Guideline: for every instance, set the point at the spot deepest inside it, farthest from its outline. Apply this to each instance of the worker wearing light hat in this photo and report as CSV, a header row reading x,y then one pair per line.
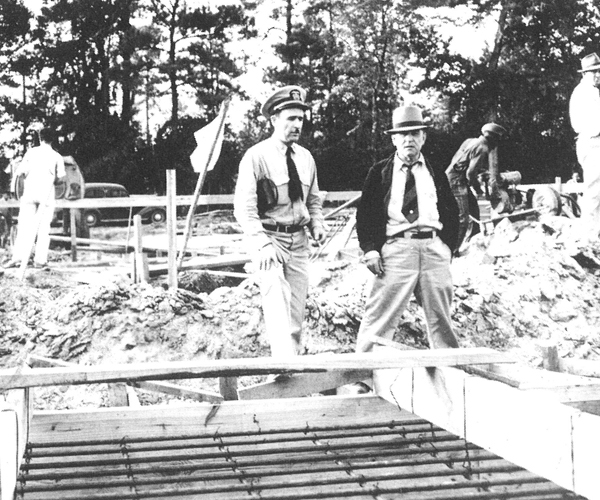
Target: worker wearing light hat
x,y
584,111
277,215
407,226
476,156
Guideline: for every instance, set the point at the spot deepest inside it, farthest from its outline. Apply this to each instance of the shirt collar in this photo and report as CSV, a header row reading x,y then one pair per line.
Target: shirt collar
x,y
280,146
403,165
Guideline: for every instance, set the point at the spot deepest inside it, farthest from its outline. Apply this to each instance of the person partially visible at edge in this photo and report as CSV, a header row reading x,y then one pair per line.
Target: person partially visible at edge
x,y
41,166
278,237
476,157
584,111
407,243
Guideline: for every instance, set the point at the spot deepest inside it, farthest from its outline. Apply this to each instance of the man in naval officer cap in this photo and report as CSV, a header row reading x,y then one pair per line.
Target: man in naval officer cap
x,y
277,204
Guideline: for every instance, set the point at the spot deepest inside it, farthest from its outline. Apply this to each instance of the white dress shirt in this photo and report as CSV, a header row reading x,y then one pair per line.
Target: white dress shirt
x,y
429,217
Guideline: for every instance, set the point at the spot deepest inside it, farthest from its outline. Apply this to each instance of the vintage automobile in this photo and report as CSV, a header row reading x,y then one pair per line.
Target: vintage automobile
x,y
95,216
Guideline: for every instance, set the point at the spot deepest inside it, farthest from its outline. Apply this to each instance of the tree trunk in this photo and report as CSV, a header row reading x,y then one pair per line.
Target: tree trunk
x,y
507,5
172,62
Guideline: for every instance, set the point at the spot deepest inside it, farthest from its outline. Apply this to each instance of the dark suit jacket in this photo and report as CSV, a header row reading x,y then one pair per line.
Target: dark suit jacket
x,y
371,216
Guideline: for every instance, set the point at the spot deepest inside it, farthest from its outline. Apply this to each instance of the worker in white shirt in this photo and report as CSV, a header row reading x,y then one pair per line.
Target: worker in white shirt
x,y
41,166
584,111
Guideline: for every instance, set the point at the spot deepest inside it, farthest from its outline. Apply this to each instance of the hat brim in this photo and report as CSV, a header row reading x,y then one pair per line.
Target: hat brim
x,y
397,130
591,68
268,112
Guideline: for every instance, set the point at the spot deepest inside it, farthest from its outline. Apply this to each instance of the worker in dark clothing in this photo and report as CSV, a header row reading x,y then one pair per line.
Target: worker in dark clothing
x,y
475,158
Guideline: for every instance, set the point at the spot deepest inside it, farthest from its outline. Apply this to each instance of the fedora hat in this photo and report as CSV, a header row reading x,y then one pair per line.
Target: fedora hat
x,y
290,96
590,63
494,128
406,118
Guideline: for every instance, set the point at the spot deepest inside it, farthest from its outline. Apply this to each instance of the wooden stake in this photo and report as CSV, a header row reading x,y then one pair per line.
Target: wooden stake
x,y
172,227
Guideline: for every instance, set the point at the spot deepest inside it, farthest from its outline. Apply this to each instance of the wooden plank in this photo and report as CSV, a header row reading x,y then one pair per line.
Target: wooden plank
x,y
530,431
12,379
586,450
9,452
228,388
15,415
234,259
303,384
190,420
163,387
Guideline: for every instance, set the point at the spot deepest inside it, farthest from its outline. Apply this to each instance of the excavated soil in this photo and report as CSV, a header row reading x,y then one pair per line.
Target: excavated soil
x,y
517,288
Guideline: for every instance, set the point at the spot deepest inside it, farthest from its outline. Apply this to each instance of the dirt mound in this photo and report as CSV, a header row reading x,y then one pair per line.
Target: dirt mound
x,y
514,288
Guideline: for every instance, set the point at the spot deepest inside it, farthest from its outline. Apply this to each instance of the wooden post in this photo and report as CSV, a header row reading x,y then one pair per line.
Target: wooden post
x,y
141,271
72,214
551,360
558,182
172,227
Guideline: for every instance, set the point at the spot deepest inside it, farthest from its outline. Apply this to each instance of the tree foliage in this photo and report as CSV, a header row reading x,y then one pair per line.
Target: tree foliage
x,y
107,74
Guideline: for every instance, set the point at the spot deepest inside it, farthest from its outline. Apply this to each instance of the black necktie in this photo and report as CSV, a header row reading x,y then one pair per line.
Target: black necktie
x,y
294,186
410,206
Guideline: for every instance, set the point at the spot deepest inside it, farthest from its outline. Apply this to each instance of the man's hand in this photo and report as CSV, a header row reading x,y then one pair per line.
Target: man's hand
x,y
319,234
269,256
375,264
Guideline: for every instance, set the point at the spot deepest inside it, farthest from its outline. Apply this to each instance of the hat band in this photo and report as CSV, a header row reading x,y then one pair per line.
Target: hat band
x,y
287,100
409,124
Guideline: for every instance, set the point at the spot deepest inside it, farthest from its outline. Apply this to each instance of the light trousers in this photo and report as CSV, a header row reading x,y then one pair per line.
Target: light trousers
x,y
410,266
284,289
34,227
588,155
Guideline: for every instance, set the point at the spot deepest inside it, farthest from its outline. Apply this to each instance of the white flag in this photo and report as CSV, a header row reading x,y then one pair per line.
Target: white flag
x,y
209,140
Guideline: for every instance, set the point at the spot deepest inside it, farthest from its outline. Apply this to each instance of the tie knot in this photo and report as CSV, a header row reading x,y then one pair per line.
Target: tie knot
x,y
289,151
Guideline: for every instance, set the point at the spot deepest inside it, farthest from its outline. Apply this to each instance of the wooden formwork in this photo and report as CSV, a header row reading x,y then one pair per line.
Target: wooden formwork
x,y
406,439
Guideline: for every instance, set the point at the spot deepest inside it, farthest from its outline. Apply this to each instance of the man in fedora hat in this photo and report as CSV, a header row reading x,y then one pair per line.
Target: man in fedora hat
x,y
277,228
476,156
407,226
584,111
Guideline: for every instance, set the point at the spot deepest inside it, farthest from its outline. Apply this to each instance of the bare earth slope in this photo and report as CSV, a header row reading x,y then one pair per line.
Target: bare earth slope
x,y
514,289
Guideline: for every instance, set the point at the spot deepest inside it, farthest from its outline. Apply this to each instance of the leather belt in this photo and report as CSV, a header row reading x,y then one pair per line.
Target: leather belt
x,y
415,235
283,228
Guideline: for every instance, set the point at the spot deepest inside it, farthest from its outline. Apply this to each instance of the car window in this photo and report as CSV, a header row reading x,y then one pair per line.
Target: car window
x,y
117,193
94,193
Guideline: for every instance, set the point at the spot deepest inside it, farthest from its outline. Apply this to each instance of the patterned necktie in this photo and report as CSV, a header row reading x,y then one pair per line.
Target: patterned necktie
x,y
294,186
410,206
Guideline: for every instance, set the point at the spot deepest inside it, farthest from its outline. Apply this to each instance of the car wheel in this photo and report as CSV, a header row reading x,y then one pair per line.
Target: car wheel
x,y
157,216
92,219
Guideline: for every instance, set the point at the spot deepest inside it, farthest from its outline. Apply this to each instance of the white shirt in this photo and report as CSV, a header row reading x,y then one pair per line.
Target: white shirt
x,y
584,109
41,165
429,217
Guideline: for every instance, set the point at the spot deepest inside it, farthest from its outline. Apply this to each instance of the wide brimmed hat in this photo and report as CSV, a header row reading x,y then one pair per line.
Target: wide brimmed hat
x,y
494,128
590,63
290,96
406,118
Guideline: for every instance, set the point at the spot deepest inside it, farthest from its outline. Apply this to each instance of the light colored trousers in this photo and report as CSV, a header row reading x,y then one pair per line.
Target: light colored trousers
x,y
410,266
588,155
34,227
284,289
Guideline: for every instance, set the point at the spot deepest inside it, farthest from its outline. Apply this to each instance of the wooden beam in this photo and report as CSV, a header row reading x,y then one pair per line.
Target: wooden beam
x,y
235,259
190,420
528,430
15,419
12,379
9,454
303,384
36,361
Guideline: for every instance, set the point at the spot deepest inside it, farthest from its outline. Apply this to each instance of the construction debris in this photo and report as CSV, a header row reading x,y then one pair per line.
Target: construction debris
x,y
515,288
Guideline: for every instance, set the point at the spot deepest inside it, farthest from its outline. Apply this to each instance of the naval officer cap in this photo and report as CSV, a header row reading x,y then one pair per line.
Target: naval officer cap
x,y
290,96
